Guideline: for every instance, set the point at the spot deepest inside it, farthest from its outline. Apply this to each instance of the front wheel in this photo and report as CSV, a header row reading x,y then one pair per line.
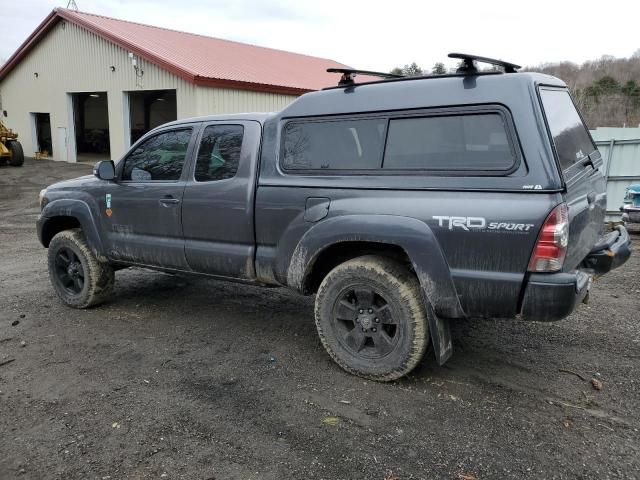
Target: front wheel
x,y
371,319
79,279
17,155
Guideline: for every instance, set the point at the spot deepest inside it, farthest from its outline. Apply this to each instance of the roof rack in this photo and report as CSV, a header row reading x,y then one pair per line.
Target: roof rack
x,y
348,75
468,63
467,67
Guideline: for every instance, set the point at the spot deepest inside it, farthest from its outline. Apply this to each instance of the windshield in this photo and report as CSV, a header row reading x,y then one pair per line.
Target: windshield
x,y
570,136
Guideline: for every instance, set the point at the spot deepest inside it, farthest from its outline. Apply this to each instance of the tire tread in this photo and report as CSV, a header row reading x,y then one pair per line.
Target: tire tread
x,y
17,154
409,288
100,275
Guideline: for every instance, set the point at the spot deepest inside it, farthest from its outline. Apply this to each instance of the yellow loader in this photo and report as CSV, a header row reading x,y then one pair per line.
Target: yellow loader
x,y
10,147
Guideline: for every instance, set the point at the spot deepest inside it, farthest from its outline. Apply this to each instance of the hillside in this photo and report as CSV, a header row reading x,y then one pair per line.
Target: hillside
x,y
606,90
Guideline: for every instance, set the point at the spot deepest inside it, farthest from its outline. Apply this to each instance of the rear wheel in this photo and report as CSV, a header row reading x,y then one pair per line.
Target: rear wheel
x,y
17,155
79,279
371,319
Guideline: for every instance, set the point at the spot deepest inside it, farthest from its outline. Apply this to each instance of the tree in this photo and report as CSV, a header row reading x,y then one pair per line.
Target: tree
x,y
631,93
631,90
608,85
438,69
412,70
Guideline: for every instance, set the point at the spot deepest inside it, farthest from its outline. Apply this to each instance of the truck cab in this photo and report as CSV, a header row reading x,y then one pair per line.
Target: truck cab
x,y
181,199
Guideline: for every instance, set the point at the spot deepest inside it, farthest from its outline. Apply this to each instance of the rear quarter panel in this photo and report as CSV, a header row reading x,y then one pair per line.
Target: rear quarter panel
x,y
487,253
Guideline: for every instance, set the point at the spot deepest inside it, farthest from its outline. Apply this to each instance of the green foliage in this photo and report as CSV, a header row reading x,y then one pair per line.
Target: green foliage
x,y
607,85
631,90
439,69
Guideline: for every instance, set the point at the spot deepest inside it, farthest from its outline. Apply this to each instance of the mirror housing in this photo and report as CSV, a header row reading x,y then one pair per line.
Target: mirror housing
x,y
105,170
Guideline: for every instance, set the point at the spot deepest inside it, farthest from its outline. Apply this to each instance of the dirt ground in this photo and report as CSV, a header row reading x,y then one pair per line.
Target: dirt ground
x,y
198,379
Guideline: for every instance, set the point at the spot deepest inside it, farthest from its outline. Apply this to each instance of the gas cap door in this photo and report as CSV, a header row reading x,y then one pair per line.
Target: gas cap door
x,y
316,208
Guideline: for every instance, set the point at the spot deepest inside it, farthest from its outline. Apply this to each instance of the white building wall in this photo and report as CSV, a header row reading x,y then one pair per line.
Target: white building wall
x,y
71,59
226,100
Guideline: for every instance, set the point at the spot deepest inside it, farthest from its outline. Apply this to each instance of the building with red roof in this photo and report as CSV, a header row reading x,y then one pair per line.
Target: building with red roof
x,y
85,86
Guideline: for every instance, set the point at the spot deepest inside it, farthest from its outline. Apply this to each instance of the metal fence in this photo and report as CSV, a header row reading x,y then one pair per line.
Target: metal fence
x,y
620,149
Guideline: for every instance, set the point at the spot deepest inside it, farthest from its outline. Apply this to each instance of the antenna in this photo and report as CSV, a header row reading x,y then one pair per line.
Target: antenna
x,y
469,67
71,5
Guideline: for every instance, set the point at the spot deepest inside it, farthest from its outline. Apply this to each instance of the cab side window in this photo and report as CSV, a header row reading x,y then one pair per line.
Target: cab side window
x,y
160,158
219,152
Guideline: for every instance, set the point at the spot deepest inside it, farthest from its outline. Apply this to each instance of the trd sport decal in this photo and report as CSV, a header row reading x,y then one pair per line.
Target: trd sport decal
x,y
107,200
480,223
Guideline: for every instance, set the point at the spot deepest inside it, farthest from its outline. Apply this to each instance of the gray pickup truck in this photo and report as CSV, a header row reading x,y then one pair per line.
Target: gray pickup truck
x,y
403,204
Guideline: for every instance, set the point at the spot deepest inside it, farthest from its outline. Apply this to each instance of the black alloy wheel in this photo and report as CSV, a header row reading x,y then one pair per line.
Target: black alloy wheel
x,y
69,271
364,323
371,318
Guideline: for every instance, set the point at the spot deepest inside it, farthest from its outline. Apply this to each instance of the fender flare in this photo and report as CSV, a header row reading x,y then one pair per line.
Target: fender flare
x,y
79,210
412,235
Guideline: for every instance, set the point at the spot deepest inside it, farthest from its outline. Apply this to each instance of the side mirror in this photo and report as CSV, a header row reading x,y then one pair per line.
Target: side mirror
x,y
105,170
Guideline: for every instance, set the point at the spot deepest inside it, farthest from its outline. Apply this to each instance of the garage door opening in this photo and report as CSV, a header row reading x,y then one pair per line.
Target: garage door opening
x,y
42,122
91,121
149,109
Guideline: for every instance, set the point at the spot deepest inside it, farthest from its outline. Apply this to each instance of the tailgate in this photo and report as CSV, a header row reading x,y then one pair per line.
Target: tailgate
x,y
580,163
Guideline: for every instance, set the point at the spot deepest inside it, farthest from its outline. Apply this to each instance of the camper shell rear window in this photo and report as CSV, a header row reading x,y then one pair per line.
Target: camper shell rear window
x,y
571,138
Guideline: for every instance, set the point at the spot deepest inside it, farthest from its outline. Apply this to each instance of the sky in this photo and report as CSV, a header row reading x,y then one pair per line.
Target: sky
x,y
373,34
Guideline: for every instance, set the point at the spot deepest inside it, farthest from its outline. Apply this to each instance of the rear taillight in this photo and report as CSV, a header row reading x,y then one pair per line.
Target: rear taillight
x,y
551,247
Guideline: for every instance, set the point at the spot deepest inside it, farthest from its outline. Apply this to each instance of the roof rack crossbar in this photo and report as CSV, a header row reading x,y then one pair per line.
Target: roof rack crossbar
x,y
363,72
348,73
468,65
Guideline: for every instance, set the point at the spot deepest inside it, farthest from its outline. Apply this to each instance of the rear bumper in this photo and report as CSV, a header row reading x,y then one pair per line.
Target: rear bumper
x,y
553,296
631,215
610,252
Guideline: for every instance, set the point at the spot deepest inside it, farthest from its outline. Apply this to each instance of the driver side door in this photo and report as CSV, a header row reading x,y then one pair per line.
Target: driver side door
x,y
145,205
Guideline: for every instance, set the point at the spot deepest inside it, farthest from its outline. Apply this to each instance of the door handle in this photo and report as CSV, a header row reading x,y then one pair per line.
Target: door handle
x,y
591,197
168,200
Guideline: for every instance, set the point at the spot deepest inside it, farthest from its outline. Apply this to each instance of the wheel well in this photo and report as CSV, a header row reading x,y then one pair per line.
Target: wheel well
x,y
338,253
56,225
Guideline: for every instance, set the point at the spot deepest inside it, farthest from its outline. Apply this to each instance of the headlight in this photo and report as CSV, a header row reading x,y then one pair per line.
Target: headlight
x,y
42,200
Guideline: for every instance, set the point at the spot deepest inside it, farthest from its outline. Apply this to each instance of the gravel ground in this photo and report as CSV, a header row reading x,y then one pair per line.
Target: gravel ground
x,y
198,379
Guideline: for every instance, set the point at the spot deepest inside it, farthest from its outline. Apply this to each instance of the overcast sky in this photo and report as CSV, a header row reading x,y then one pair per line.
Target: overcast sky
x,y
374,34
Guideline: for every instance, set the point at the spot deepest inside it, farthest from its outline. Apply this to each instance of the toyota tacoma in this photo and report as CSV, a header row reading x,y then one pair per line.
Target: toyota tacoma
x,y
403,204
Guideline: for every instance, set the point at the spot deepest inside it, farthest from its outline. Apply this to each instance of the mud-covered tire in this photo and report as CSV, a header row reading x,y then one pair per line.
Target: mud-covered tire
x,y
394,327
17,155
97,277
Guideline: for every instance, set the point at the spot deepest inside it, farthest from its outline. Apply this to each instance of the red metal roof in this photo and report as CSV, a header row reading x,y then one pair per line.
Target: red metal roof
x,y
196,58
